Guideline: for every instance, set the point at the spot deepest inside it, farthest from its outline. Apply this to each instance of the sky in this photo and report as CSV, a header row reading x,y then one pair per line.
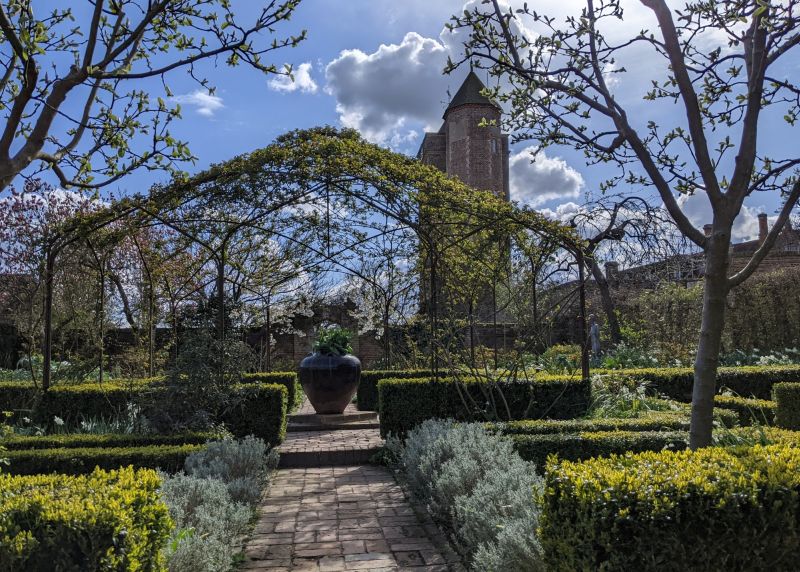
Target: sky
x,y
376,65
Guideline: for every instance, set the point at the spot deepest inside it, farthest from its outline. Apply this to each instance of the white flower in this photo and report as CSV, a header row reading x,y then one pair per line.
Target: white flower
x,y
26,419
57,420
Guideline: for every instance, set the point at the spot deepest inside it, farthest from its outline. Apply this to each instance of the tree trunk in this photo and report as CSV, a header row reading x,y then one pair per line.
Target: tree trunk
x,y
151,327
387,342
221,315
102,312
584,331
221,296
608,302
472,332
434,318
269,338
494,323
715,292
47,342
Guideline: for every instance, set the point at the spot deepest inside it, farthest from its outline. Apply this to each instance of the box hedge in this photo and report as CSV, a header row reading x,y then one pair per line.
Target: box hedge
x,y
84,440
258,409
287,378
748,411
787,399
580,446
748,381
104,521
367,396
82,460
405,403
648,421
710,509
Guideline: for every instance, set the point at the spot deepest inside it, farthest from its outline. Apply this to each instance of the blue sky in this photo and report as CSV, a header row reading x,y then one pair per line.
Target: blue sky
x,y
376,65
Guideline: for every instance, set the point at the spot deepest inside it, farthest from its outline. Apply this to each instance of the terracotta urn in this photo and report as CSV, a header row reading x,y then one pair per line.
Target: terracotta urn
x,y
330,381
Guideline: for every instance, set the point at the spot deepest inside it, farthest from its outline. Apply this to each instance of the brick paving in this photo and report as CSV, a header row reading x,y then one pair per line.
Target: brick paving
x,y
343,518
331,440
312,442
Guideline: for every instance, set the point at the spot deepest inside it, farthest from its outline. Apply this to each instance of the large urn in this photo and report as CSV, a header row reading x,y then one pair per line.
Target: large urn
x,y
330,380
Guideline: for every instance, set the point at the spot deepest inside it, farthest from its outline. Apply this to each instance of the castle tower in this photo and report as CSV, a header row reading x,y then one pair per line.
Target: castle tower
x,y
469,145
475,153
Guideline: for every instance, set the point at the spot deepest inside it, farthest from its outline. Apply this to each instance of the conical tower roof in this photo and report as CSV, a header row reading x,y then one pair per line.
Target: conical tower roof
x,y
470,93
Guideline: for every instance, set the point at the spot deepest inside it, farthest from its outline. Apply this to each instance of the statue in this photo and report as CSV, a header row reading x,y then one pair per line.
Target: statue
x,y
594,336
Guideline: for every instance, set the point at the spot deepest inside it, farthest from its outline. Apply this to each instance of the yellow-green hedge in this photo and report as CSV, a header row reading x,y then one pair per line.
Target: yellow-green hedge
x,y
104,521
711,509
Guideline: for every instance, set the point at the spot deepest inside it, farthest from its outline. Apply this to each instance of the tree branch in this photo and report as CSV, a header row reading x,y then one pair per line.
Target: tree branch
x,y
694,116
769,241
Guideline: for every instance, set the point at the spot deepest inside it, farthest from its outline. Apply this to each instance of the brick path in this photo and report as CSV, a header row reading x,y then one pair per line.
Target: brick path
x,y
343,518
324,517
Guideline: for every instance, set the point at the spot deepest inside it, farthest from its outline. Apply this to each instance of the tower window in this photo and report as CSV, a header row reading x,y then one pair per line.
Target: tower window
x,y
493,145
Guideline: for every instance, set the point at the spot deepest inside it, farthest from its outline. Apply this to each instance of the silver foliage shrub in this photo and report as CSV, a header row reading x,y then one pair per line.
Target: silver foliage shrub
x,y
207,523
500,517
516,548
480,488
242,465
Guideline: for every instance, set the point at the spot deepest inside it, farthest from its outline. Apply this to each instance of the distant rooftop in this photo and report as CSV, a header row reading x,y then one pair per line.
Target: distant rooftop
x,y
470,93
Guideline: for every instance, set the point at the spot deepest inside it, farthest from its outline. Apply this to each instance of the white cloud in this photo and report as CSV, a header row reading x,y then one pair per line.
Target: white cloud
x,y
302,80
745,227
383,92
205,103
563,212
544,179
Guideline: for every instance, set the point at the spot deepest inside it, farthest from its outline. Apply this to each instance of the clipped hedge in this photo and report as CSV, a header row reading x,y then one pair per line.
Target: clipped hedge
x,y
24,395
84,440
405,403
710,509
677,382
82,460
102,521
74,402
581,446
287,378
748,411
787,398
649,421
367,396
260,410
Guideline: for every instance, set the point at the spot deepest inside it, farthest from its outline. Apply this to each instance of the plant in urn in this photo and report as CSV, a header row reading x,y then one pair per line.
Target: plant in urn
x,y
330,375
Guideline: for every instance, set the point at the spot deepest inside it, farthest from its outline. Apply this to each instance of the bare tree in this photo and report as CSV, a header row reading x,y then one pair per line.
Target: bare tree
x,y
622,229
558,84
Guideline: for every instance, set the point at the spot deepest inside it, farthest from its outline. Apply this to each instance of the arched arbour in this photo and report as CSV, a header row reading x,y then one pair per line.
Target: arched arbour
x,y
296,180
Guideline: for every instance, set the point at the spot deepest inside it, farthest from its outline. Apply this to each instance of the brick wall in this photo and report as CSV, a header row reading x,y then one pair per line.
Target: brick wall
x,y
478,155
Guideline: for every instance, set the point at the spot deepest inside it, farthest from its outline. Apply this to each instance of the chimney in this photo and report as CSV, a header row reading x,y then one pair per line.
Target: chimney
x,y
763,227
707,228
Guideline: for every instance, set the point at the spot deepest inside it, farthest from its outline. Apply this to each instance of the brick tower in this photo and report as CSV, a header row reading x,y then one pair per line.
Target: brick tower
x,y
469,145
476,154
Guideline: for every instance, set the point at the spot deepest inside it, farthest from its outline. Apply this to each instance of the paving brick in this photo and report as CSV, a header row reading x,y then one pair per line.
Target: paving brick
x,y
334,519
